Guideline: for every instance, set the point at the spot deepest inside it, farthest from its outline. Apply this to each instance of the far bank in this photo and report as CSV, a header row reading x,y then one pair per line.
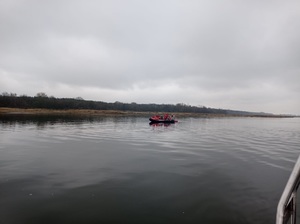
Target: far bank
x,y
87,112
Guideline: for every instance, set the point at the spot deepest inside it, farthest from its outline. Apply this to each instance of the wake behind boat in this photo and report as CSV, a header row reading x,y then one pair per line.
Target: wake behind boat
x,y
163,119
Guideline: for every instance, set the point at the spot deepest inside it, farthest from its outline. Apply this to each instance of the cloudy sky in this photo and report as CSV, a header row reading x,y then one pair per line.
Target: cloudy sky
x,y
229,54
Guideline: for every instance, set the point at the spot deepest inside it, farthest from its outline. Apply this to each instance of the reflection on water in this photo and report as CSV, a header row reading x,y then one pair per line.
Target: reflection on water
x,y
155,124
45,120
123,170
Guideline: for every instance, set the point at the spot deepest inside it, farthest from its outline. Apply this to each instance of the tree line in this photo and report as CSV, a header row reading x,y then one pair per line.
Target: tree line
x,y
41,100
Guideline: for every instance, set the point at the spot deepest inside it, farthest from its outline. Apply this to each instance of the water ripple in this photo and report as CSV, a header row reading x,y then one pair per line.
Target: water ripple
x,y
234,166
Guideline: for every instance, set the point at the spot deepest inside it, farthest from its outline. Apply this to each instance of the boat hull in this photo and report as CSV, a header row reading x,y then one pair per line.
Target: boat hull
x,y
162,121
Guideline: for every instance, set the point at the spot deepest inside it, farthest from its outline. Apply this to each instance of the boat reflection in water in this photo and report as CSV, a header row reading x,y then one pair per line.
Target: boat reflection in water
x,y
156,124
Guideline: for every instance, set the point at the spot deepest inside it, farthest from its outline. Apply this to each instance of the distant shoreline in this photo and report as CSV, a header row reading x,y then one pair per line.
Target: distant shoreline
x,y
87,112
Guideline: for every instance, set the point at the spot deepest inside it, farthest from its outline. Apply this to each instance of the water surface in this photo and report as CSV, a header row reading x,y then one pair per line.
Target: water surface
x,y
122,170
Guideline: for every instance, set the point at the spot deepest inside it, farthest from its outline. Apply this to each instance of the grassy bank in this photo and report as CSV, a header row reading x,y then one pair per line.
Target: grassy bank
x,y
84,112
37,111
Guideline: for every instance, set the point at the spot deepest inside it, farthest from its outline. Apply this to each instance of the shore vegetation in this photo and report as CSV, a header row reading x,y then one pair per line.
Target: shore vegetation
x,y
42,104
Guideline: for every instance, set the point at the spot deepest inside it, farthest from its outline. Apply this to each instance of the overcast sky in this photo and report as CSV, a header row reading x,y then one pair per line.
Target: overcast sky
x,y
228,54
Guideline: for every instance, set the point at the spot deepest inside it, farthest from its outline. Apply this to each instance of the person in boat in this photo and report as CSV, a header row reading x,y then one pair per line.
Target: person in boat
x,y
166,117
170,117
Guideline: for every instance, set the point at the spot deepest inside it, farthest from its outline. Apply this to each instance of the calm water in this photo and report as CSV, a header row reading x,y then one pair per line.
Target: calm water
x,y
122,170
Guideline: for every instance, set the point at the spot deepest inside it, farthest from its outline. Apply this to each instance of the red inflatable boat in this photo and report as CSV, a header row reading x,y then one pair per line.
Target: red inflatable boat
x,y
163,119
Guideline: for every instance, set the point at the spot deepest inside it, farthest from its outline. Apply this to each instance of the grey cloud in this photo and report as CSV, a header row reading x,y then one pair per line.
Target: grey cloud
x,y
211,46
